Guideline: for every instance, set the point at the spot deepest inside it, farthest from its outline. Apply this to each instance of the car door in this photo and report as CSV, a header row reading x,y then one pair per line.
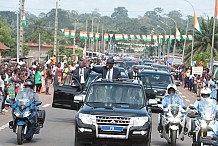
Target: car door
x,y
63,96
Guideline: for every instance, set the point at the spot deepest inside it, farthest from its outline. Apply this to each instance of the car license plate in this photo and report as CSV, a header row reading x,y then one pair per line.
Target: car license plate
x,y
112,128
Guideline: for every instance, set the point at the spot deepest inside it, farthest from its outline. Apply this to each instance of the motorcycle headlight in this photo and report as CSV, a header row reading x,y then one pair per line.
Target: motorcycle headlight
x,y
17,114
174,112
86,118
203,124
27,114
139,121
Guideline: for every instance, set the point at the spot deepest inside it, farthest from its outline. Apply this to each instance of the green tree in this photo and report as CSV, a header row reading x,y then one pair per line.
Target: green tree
x,y
120,13
202,41
7,39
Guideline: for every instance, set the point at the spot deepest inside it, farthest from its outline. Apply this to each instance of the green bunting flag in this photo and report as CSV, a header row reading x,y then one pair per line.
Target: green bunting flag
x,y
83,35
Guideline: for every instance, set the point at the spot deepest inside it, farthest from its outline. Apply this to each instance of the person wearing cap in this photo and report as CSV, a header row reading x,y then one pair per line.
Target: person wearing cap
x,y
108,72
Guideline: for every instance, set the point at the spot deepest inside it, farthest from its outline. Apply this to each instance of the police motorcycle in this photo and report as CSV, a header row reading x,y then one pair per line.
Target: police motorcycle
x,y
203,120
27,118
212,134
172,122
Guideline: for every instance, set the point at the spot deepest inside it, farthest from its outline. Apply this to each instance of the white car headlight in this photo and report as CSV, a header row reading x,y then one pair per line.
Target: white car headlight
x,y
27,114
139,121
86,118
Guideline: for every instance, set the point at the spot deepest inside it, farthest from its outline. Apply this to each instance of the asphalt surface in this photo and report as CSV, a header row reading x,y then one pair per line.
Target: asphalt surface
x,y
59,126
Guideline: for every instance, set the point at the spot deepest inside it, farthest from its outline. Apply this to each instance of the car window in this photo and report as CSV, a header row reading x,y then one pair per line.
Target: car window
x,y
156,79
116,95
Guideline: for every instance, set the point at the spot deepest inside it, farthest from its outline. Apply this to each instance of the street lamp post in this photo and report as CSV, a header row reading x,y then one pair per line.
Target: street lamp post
x,y
168,50
164,33
17,35
186,31
174,47
192,34
157,52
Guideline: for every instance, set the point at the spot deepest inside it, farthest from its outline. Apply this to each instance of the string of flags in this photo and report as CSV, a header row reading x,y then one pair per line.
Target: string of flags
x,y
119,37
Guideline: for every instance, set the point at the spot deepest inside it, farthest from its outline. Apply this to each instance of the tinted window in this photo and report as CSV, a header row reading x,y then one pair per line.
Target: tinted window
x,y
156,79
115,95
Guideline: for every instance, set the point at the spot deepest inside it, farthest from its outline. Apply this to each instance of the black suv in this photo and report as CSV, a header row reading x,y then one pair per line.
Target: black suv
x,y
157,81
114,112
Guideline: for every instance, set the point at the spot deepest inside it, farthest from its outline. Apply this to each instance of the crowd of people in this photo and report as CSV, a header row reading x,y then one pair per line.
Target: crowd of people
x,y
194,82
13,76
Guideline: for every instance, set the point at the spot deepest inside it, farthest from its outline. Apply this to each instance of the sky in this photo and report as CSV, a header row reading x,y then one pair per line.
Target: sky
x,y
136,8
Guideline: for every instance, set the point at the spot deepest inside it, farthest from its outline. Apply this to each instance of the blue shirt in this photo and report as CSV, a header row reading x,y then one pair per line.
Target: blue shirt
x,y
172,99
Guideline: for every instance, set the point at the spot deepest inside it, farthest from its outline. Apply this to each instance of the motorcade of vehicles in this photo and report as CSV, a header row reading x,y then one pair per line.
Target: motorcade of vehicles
x,y
201,120
147,62
157,81
27,118
113,113
173,123
161,67
129,64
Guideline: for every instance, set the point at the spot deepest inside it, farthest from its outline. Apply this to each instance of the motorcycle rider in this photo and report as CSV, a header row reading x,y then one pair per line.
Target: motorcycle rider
x,y
171,98
205,95
205,100
29,85
29,88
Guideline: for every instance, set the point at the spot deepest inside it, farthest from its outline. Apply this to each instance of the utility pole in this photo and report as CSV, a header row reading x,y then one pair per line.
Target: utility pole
x,y
74,40
18,35
92,43
102,39
84,51
22,15
39,47
96,46
56,28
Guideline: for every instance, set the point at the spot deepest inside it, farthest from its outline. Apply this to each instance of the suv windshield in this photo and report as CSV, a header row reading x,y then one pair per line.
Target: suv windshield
x,y
156,79
115,96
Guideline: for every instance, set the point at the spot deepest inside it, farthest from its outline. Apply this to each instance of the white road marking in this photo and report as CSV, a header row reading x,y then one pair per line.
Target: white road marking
x,y
46,105
180,92
4,126
187,100
184,96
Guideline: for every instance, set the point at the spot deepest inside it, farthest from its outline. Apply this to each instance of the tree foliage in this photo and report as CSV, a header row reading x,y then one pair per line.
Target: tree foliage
x,y
118,22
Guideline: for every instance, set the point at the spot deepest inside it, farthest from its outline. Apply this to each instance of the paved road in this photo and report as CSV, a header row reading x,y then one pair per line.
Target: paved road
x,y
59,126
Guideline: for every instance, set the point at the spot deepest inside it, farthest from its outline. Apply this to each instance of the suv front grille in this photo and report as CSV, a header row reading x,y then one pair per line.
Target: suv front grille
x,y
122,121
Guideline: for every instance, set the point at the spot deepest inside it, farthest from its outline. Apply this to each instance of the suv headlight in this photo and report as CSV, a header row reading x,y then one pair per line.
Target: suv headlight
x,y
139,121
86,118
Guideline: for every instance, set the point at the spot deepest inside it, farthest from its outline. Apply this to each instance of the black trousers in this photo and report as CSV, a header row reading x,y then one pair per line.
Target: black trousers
x,y
38,87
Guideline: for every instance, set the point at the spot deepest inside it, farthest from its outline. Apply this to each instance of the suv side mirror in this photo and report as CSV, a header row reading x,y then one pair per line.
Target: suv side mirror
x,y
152,102
79,98
177,83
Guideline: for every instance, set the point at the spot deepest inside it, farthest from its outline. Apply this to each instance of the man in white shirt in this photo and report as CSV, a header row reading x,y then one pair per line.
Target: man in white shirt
x,y
81,73
134,74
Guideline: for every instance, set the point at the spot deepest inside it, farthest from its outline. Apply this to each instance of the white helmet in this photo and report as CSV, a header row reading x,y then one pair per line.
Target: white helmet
x,y
205,93
171,86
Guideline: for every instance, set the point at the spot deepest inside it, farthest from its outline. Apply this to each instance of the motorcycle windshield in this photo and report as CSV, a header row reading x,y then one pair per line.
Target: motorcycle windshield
x,y
24,97
208,109
173,99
